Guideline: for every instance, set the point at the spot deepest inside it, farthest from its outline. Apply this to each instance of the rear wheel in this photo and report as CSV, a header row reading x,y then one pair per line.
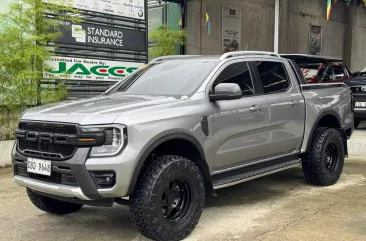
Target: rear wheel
x,y
51,205
324,163
168,200
357,123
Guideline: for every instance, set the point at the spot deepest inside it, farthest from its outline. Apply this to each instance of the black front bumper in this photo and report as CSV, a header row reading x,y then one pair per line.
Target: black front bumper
x,y
71,172
359,113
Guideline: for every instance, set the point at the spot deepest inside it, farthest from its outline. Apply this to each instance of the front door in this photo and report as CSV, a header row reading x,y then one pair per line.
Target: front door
x,y
237,125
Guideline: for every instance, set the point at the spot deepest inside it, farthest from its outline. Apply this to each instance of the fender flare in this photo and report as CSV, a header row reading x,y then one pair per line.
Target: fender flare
x,y
167,137
323,114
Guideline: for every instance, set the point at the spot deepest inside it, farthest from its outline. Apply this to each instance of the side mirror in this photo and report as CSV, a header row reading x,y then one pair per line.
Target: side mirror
x,y
226,91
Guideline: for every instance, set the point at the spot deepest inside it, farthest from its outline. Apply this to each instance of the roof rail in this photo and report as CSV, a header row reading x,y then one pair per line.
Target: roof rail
x,y
172,57
241,53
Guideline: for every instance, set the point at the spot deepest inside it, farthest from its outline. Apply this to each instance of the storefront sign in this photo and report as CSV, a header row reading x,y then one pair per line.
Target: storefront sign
x,y
88,69
102,36
124,8
315,40
231,29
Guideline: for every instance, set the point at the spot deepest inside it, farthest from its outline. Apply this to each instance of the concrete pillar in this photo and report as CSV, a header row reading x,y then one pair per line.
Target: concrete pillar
x,y
348,36
284,26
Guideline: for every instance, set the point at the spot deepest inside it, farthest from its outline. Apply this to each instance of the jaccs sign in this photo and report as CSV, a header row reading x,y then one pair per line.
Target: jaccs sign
x,y
88,69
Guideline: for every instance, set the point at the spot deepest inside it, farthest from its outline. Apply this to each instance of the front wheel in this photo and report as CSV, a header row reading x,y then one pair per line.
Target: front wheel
x,y
168,200
324,164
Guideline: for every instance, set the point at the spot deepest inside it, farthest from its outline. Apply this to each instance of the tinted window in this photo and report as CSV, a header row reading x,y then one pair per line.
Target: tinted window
x,y
328,75
175,78
273,76
338,72
237,73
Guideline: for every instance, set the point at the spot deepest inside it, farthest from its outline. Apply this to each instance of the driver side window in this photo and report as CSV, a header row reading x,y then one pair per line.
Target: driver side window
x,y
237,73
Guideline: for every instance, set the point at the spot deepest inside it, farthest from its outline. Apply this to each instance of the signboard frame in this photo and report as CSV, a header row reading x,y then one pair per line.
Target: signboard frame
x,y
315,40
125,8
231,28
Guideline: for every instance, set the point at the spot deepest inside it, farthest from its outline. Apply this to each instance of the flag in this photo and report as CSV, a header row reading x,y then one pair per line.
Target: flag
x,y
181,17
208,24
329,9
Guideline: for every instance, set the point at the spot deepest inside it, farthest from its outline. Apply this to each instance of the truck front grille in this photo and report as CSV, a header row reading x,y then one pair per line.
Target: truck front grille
x,y
45,148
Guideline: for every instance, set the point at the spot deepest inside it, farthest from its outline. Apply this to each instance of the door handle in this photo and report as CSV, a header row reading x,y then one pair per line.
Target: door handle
x,y
255,108
294,103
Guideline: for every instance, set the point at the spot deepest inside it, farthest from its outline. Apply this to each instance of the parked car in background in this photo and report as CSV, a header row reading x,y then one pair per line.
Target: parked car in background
x,y
319,69
357,84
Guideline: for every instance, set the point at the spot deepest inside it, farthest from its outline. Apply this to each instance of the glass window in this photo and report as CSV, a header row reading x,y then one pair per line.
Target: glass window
x,y
237,73
328,75
174,78
156,18
273,76
338,72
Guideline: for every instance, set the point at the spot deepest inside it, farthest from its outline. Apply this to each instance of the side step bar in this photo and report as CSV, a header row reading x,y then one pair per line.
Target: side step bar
x,y
254,171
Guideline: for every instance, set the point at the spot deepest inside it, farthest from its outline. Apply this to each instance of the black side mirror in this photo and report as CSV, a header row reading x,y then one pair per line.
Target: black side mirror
x,y
226,91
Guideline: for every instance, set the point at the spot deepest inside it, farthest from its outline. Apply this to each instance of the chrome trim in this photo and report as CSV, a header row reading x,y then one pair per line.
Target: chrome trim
x,y
51,188
250,164
257,176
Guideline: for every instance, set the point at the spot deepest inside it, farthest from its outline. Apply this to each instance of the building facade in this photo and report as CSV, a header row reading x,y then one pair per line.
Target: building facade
x,y
344,35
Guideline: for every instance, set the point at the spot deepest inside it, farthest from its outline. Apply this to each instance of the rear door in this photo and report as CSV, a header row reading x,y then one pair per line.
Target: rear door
x,y
284,107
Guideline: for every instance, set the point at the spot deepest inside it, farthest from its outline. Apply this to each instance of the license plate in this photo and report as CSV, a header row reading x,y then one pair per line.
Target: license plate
x,y
38,166
360,104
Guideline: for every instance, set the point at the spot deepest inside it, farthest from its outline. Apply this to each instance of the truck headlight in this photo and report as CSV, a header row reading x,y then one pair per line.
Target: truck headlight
x,y
115,139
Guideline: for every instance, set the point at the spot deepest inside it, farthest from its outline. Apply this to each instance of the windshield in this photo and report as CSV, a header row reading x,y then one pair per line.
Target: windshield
x,y
171,78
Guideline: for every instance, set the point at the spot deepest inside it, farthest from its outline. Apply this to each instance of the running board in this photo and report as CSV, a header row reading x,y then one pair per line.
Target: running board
x,y
252,172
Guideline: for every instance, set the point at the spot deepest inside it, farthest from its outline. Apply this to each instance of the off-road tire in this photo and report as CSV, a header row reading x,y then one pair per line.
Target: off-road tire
x,y
145,202
315,166
357,123
51,205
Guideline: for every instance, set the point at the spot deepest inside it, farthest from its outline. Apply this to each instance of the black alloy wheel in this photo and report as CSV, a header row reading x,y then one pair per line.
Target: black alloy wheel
x,y
175,200
331,158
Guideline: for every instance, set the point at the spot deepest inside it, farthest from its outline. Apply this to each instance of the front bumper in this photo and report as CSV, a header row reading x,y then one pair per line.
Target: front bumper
x,y
72,178
359,113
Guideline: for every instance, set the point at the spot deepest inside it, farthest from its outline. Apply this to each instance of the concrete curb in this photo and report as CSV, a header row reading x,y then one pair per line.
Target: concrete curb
x,y
5,153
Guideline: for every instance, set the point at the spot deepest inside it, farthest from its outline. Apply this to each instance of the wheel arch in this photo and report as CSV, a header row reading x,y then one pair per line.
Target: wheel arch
x,y
329,119
157,147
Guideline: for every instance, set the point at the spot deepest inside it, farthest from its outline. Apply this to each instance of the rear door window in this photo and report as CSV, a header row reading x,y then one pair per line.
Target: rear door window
x,y
273,76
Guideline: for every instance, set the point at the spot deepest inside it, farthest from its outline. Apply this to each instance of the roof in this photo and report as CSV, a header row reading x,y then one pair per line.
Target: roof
x,y
311,59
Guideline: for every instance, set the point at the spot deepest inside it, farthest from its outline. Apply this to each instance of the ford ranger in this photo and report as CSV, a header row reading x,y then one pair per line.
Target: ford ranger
x,y
176,130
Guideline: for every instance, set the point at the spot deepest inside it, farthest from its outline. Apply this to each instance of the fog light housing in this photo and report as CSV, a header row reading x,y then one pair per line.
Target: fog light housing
x,y
104,179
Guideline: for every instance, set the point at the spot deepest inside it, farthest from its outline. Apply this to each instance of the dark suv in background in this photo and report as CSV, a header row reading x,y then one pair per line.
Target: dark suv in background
x,y
357,84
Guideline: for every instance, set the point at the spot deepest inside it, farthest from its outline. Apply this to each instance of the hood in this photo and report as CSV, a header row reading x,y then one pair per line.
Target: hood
x,y
356,81
97,110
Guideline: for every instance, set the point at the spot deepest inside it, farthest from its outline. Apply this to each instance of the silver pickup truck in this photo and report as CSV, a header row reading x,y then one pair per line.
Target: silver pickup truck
x,y
178,129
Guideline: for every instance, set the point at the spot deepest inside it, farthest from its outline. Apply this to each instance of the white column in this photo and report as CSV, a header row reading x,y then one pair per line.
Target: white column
x,y
277,26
